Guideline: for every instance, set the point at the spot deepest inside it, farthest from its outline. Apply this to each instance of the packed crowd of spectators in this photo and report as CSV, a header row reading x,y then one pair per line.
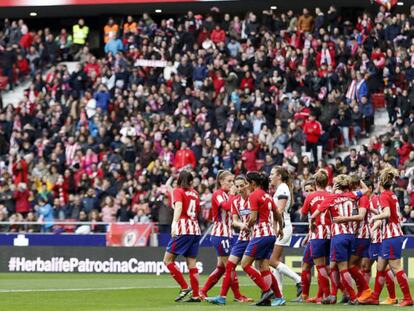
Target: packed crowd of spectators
x,y
103,143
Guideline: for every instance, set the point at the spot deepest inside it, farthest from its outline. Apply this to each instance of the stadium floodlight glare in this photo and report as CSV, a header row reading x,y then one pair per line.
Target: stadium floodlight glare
x,y
273,7
158,11
33,14
400,3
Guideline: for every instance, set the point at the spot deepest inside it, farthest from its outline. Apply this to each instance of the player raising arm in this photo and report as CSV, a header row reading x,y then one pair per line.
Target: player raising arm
x,y
392,239
185,236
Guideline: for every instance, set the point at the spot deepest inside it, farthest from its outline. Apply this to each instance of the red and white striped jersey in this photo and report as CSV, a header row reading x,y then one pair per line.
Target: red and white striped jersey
x,y
241,208
221,209
392,227
322,229
188,222
263,204
362,227
340,204
376,235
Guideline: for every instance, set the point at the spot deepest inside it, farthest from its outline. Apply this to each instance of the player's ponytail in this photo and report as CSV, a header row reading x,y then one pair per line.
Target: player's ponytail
x,y
387,177
321,178
185,179
265,182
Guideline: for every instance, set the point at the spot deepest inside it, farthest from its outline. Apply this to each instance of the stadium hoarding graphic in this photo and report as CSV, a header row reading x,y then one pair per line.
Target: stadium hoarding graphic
x,y
126,260
15,3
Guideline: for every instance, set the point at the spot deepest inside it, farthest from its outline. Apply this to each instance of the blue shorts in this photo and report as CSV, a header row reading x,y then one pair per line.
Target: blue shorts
x,y
307,256
319,248
184,245
222,245
341,247
239,248
391,248
374,251
260,248
361,248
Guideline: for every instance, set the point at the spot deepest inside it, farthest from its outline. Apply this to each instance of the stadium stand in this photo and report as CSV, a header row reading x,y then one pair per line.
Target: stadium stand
x,y
211,92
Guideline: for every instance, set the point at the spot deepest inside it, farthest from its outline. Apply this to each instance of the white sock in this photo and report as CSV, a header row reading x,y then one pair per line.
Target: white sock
x,y
279,279
283,269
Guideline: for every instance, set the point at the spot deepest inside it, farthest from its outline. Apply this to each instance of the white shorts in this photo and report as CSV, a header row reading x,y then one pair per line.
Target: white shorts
x,y
287,236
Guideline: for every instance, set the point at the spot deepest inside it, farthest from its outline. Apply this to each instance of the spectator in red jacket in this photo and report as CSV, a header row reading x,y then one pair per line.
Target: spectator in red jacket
x,y
19,170
184,156
312,130
404,151
92,66
22,65
218,35
249,157
22,195
326,56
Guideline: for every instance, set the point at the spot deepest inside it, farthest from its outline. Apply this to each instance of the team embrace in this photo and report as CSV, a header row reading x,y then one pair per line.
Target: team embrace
x,y
350,228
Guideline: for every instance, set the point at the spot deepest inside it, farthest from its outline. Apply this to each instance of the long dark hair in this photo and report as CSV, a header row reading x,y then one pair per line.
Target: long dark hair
x,y
185,179
260,179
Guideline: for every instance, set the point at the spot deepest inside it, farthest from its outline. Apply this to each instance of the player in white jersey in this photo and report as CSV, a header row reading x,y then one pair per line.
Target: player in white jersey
x,y
283,198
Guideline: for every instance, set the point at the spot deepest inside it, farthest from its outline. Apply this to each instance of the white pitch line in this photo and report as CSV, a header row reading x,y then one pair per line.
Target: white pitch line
x,y
91,289
78,289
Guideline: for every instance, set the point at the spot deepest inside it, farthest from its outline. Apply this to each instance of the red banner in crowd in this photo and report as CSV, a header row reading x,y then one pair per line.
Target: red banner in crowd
x,y
128,235
11,3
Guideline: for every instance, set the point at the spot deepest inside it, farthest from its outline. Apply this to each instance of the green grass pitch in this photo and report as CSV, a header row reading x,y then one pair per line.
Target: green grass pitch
x,y
81,292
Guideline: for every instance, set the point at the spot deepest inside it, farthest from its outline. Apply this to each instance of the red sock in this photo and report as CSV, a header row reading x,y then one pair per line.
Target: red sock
x,y
334,276
306,281
346,280
367,275
403,282
213,278
360,281
227,278
256,277
320,292
323,279
235,288
379,284
270,281
389,282
177,275
194,281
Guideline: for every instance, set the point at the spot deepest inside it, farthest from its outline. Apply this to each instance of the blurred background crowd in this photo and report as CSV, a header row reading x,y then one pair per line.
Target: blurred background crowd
x,y
210,92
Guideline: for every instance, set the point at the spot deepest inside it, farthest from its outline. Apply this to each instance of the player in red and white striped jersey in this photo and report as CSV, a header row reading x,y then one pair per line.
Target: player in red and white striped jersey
x,y
262,219
240,210
185,235
222,233
374,249
392,239
362,241
340,205
320,232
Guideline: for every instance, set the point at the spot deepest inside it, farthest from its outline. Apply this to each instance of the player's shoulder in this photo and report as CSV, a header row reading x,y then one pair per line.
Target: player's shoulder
x,y
283,187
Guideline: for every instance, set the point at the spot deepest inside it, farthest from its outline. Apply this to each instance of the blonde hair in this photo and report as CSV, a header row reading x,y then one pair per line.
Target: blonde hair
x,y
342,182
387,177
221,175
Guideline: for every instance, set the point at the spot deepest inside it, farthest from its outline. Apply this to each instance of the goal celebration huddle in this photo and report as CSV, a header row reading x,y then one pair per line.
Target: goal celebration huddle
x,y
351,226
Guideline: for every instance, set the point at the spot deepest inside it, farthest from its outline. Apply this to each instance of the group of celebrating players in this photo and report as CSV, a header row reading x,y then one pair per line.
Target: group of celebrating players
x,y
350,228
